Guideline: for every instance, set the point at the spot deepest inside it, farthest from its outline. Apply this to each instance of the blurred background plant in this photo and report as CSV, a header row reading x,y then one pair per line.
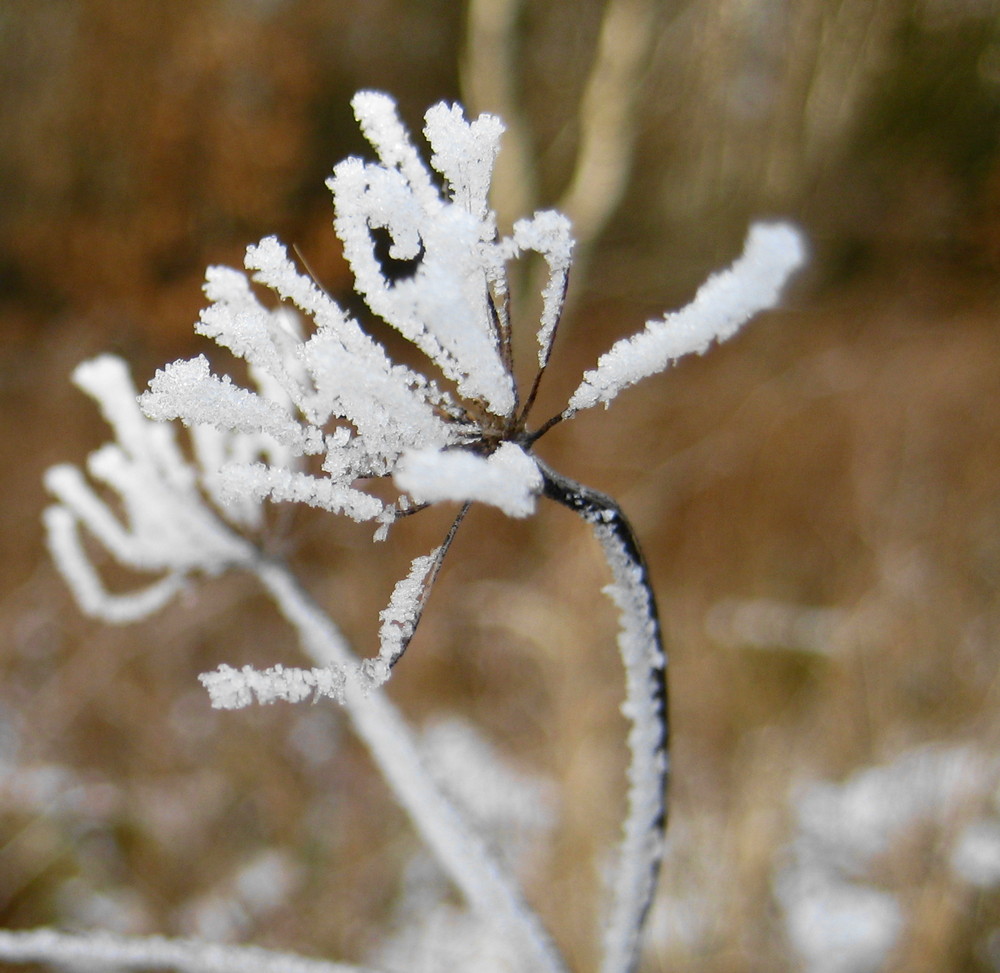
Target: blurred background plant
x,y
817,499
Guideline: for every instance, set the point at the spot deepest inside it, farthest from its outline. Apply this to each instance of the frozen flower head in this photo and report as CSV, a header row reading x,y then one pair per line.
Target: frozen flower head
x,y
459,435
333,422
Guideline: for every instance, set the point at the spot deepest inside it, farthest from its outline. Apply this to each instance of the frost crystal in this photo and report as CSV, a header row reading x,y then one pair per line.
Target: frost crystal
x,y
329,416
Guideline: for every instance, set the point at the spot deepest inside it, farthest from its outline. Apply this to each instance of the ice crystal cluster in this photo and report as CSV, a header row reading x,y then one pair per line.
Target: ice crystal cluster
x,y
328,415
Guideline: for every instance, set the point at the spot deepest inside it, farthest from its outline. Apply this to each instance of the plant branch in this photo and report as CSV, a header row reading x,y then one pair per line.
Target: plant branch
x,y
90,951
489,890
641,647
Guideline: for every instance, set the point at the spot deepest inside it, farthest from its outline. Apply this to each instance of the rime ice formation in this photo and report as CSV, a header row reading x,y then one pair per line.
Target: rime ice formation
x,y
330,415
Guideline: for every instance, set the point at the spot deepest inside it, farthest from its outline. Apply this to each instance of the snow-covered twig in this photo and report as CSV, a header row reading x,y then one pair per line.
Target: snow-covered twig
x,y
90,951
460,851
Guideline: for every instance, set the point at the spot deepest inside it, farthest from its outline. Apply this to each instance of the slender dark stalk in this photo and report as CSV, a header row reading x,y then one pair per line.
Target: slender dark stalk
x,y
546,353
641,645
596,507
500,323
531,438
429,580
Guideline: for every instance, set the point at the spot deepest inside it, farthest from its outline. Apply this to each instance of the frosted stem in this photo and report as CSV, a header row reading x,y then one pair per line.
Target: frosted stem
x,y
645,706
490,891
95,951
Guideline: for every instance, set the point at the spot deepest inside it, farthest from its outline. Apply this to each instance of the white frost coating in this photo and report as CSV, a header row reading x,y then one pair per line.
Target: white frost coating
x,y
187,390
163,525
634,881
384,407
725,302
399,619
443,307
508,479
91,951
380,123
350,373
215,449
231,688
548,233
264,339
259,481
464,153
67,552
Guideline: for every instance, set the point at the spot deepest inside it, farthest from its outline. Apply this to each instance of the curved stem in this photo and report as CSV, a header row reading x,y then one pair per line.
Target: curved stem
x,y
641,646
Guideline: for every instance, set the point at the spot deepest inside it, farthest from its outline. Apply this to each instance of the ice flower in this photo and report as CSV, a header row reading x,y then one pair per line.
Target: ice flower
x,y
368,417
334,422
462,435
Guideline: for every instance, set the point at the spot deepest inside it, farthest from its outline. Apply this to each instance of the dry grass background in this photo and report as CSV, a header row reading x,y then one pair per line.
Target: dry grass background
x,y
843,453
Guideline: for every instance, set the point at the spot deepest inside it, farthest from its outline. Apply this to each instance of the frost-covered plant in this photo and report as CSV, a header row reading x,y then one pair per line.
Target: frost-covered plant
x,y
332,414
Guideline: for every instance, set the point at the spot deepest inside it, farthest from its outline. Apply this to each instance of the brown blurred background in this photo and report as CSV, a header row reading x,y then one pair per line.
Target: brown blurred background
x,y
842,454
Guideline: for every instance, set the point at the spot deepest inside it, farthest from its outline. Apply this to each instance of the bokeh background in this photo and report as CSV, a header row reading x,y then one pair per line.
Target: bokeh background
x,y
818,499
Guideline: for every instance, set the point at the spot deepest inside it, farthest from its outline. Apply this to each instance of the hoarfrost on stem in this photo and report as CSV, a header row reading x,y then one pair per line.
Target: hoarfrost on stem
x,y
723,304
331,414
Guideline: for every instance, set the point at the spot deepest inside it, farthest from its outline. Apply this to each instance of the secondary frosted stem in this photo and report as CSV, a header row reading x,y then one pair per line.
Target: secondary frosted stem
x,y
460,851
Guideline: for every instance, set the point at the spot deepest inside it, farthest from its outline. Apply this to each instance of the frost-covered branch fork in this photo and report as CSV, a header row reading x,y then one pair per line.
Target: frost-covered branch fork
x,y
331,412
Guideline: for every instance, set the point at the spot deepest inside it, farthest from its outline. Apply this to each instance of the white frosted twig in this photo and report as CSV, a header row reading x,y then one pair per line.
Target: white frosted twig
x,y
161,524
90,951
69,486
549,234
351,373
107,381
443,307
400,617
382,401
465,153
380,123
63,537
724,303
461,852
230,688
259,481
187,390
266,340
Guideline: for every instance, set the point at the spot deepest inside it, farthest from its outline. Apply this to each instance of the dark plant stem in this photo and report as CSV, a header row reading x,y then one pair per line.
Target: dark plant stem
x,y
641,645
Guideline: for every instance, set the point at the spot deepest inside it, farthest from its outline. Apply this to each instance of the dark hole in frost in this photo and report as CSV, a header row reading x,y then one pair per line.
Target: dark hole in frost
x,y
393,270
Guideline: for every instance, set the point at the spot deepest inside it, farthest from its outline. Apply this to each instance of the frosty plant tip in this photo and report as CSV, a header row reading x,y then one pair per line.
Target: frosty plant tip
x,y
331,413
